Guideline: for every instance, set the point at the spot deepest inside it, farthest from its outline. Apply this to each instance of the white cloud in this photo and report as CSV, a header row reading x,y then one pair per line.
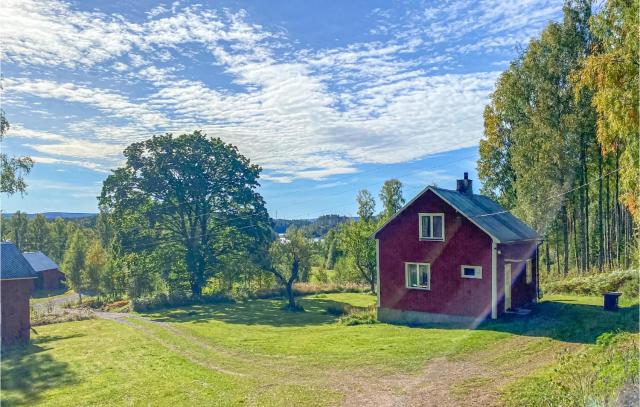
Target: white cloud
x,y
77,163
300,113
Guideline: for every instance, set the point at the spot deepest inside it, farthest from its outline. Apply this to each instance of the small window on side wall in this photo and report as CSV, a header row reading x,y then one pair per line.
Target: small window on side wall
x,y
471,271
431,226
529,272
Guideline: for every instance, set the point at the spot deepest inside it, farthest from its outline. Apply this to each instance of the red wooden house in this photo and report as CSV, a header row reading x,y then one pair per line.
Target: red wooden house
x,y
454,256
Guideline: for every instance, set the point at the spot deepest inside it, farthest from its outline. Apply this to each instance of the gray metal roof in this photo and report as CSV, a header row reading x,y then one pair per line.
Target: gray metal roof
x,y
39,261
13,265
487,214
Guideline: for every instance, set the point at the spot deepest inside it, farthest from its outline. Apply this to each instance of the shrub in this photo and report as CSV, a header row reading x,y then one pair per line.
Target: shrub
x,y
359,318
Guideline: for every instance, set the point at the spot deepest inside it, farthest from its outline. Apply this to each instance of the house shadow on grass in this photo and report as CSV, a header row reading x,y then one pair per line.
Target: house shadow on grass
x,y
27,371
568,321
254,312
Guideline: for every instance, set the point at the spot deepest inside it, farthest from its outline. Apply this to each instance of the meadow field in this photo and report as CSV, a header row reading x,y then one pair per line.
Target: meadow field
x,y
254,353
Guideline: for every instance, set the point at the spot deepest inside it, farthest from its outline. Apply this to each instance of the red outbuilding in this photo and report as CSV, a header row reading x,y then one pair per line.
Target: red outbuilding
x,y
454,256
16,280
49,275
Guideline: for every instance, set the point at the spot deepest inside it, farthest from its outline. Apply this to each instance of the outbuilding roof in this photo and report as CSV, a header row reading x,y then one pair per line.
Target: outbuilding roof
x,y
484,212
13,265
40,261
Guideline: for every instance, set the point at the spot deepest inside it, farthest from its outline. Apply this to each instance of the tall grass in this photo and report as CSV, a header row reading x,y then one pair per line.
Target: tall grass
x,y
624,281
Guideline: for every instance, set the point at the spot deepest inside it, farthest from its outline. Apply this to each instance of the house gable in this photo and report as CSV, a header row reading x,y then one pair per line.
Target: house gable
x,y
484,213
427,194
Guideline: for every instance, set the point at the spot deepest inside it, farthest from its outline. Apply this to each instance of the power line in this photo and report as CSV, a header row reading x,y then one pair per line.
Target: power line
x,y
174,240
554,196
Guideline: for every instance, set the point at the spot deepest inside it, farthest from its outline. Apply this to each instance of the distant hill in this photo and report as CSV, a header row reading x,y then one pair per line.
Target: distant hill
x,y
53,215
311,227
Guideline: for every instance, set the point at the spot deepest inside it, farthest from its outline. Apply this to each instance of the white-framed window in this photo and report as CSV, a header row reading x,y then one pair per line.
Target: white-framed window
x,y
467,271
418,275
529,272
431,226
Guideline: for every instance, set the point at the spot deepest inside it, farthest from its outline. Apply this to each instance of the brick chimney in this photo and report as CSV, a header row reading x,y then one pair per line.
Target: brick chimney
x,y
465,186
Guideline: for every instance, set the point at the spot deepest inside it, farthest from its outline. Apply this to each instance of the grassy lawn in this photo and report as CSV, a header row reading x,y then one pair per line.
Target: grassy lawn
x,y
254,353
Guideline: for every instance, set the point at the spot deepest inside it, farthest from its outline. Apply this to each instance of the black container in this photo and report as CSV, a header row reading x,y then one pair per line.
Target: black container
x,y
611,301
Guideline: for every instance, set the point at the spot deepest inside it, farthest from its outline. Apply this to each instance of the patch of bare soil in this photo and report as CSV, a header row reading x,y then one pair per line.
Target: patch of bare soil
x,y
474,380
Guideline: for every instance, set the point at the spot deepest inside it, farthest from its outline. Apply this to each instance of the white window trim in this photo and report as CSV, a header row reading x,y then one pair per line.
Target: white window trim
x,y
430,214
407,279
477,275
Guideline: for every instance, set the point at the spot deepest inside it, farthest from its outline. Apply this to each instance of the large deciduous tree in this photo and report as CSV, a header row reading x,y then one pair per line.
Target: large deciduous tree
x,y
12,169
194,193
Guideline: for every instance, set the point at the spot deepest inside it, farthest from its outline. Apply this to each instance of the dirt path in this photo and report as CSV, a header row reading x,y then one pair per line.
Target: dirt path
x,y
57,302
474,379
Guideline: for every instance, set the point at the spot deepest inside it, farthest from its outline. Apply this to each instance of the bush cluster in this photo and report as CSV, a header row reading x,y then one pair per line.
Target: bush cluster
x,y
359,318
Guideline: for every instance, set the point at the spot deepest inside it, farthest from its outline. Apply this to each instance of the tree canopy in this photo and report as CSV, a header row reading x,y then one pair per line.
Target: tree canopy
x,y
191,192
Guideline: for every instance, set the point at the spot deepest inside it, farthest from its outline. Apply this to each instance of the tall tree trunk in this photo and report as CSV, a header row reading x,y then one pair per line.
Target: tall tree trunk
x,y
577,257
600,233
290,295
546,256
557,239
617,208
565,240
607,221
587,257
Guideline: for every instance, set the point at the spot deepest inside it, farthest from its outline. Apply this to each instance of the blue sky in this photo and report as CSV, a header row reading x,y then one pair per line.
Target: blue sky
x,y
327,96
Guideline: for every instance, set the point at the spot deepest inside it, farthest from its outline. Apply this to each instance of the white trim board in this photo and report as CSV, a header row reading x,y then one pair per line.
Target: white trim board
x,y
494,279
378,270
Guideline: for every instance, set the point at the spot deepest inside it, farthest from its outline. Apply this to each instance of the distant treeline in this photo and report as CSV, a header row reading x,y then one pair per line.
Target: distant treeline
x,y
310,227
